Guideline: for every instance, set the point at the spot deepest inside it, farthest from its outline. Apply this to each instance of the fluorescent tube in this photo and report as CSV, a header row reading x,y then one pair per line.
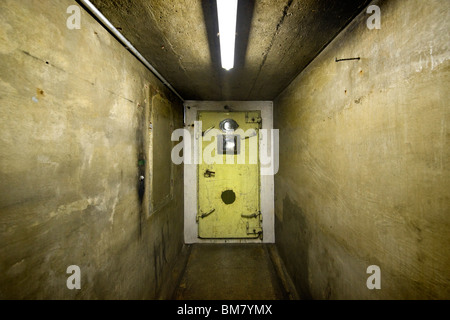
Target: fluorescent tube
x,y
227,14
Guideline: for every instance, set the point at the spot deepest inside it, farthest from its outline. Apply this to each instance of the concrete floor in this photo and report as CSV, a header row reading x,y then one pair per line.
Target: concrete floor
x,y
231,272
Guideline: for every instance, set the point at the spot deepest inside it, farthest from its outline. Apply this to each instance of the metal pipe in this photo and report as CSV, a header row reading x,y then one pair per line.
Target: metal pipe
x,y
94,11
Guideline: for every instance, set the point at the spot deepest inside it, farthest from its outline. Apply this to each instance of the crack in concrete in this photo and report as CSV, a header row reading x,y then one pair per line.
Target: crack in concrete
x,y
72,74
167,41
178,56
272,41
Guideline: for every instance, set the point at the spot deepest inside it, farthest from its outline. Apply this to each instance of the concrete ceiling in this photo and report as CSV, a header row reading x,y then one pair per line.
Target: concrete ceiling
x,y
276,40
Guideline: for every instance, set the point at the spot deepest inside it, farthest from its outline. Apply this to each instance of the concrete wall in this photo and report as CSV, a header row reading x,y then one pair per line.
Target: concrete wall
x,y
365,160
73,110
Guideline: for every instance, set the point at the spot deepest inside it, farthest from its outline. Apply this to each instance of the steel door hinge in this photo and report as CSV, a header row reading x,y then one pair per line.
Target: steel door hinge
x,y
256,230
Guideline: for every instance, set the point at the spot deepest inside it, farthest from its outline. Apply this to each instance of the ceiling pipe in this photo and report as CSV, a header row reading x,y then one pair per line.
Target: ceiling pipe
x,y
94,11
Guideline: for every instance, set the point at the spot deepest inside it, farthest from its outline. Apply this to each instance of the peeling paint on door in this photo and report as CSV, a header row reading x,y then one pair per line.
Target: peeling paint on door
x,y
229,188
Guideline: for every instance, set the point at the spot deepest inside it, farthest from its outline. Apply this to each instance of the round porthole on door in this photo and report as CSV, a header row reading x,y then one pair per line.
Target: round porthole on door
x,y
228,125
228,197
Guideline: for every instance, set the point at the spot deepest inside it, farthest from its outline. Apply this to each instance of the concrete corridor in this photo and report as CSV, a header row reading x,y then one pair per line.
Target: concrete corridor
x,y
116,118
232,272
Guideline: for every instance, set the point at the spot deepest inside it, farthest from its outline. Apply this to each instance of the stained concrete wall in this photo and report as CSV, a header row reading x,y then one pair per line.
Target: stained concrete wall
x,y
364,160
73,110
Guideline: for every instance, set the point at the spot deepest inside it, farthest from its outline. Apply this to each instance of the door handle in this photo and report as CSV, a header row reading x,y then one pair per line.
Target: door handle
x,y
253,134
251,216
207,130
204,215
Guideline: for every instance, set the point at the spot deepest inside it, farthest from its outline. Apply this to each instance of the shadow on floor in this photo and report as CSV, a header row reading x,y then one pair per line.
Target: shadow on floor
x,y
233,272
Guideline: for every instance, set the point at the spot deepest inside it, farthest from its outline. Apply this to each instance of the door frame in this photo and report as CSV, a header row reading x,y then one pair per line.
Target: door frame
x,y
191,171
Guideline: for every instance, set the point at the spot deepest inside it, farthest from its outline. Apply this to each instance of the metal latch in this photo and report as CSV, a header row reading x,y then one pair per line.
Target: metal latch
x,y
255,230
251,216
253,134
209,174
207,130
204,215
254,226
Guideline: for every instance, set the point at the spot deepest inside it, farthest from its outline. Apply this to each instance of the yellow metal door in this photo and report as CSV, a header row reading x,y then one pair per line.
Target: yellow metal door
x,y
229,176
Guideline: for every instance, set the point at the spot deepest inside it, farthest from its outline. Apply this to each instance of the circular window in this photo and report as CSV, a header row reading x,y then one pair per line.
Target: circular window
x,y
228,197
228,125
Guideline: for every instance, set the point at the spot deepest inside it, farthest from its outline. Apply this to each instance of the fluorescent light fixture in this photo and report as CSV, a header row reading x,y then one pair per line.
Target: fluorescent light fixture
x,y
227,14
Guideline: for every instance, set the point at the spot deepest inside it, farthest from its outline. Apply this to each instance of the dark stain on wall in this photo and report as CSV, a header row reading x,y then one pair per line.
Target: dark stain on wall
x,y
293,240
